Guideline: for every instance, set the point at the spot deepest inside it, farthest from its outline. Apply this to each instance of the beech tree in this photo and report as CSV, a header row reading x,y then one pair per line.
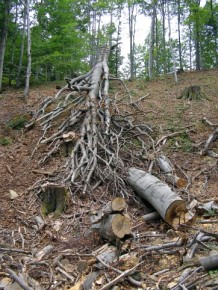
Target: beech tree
x,y
5,8
28,70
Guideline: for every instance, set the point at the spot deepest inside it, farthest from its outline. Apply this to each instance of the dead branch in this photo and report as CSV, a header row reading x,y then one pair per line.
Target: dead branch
x,y
213,136
121,276
18,279
15,251
130,279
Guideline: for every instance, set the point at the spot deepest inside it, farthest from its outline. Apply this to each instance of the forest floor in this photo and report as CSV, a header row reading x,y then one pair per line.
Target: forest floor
x,y
69,234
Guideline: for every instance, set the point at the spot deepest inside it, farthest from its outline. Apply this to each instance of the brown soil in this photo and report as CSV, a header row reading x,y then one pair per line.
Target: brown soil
x,y
20,171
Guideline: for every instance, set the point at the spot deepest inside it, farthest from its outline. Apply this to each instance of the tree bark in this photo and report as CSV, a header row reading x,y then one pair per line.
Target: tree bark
x,y
28,71
170,42
21,48
151,41
4,31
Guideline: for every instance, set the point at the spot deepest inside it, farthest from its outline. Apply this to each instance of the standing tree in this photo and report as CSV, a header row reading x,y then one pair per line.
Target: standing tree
x,y
22,47
152,35
5,9
28,71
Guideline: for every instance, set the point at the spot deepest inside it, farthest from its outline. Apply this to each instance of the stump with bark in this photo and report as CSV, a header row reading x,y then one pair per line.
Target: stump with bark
x,y
192,93
53,198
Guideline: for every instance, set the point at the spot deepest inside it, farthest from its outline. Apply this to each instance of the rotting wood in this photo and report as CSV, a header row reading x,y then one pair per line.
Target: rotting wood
x,y
168,204
53,198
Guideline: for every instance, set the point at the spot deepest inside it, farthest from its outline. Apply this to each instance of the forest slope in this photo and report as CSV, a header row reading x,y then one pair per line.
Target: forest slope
x,y
165,114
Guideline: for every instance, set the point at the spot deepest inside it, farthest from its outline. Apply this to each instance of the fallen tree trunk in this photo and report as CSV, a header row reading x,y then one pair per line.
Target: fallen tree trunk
x,y
169,205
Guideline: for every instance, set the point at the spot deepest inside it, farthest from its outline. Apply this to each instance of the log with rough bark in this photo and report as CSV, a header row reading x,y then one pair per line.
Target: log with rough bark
x,y
168,204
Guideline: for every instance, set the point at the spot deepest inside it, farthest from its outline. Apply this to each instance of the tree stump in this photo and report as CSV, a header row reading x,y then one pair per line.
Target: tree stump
x,y
53,199
192,93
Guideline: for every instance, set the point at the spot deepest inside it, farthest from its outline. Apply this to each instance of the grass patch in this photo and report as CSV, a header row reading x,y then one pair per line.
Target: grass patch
x,y
18,122
4,141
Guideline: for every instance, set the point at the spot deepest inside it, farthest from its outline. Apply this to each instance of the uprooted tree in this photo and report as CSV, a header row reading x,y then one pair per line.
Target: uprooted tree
x,y
81,118
84,120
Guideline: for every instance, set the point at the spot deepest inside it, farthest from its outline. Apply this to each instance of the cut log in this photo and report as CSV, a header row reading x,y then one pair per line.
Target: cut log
x,y
209,262
115,226
117,205
192,93
167,168
169,205
110,222
151,216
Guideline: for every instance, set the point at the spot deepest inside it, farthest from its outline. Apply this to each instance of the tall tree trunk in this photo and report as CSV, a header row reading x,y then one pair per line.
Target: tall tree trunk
x,y
170,42
28,71
197,35
4,30
179,35
151,42
215,26
190,47
10,75
22,48
131,38
117,59
163,2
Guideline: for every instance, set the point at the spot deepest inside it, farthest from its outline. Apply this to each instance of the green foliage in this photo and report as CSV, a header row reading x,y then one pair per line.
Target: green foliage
x,y
18,122
4,141
213,273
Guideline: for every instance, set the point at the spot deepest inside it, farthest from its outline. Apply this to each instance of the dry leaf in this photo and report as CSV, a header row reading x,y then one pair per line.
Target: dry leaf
x,y
13,194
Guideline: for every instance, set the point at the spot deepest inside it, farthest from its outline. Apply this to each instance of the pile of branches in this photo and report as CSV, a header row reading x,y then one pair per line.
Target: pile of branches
x,y
83,117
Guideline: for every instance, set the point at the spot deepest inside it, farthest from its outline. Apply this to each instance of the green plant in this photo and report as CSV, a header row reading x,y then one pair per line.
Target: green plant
x,y
213,273
18,122
5,141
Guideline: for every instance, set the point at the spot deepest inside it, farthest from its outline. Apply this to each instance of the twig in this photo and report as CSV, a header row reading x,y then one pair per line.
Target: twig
x,y
18,279
70,277
130,279
121,276
207,222
15,251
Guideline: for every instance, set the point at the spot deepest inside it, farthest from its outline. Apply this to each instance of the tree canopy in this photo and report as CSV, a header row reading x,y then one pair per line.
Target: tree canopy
x,y
66,36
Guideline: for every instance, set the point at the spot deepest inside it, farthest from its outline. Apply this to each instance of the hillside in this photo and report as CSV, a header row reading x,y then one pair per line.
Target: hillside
x,y
177,125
